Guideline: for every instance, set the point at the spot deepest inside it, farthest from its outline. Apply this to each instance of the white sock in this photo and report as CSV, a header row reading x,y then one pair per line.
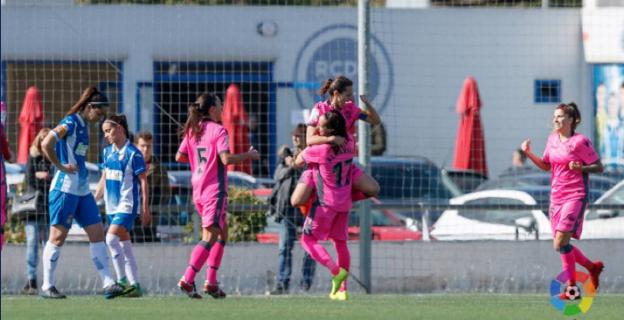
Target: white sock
x,y
100,260
117,255
132,271
50,258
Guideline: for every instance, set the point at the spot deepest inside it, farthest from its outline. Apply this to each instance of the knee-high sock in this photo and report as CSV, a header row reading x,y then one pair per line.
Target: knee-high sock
x,y
568,263
50,258
344,258
214,261
112,240
318,253
582,259
132,270
198,258
100,260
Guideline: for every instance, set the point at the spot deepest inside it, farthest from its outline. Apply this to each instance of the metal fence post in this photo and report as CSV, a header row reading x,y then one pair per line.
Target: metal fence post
x,y
364,142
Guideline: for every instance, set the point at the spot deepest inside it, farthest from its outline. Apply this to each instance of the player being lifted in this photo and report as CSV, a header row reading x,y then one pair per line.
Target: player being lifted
x,y
340,91
205,146
331,173
124,187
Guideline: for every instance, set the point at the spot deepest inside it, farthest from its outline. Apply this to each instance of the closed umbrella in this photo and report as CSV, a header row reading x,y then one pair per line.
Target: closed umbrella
x,y
236,122
31,121
470,145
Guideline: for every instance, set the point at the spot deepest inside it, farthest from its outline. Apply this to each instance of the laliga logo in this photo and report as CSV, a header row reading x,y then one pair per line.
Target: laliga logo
x,y
586,292
332,51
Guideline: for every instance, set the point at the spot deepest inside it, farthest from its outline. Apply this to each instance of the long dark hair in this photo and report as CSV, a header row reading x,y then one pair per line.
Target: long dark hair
x,y
337,123
572,111
90,95
119,120
339,84
198,111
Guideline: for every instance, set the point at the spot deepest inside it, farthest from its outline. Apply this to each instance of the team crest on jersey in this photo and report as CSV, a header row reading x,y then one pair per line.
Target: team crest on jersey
x,y
115,175
81,149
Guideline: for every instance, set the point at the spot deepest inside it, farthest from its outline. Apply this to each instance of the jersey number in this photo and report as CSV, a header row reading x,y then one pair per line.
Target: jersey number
x,y
338,171
202,159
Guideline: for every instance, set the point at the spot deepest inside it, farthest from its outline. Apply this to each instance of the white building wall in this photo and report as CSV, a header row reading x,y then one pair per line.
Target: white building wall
x,y
431,52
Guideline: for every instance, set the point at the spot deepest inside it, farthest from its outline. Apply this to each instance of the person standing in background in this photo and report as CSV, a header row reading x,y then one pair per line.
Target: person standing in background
x,y
290,218
38,178
159,189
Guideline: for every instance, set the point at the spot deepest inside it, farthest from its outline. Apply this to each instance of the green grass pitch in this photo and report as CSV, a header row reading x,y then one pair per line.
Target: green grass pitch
x,y
300,307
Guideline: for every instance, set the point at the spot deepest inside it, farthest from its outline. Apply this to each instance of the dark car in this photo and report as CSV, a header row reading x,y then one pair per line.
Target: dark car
x,y
410,181
411,178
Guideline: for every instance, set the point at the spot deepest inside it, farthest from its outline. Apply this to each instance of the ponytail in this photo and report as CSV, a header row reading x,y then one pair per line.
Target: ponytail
x,y
325,86
89,95
198,111
339,84
572,111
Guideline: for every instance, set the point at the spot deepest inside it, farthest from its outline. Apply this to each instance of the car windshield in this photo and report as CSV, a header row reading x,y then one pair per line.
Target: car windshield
x,y
407,180
507,217
616,197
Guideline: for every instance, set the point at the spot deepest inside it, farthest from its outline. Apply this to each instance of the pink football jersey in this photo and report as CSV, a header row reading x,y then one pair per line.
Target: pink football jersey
x,y
568,184
209,174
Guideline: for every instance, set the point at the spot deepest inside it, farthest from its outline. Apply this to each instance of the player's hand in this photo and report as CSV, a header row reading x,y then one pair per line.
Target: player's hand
x,y
253,153
69,168
364,99
526,146
576,166
146,217
337,140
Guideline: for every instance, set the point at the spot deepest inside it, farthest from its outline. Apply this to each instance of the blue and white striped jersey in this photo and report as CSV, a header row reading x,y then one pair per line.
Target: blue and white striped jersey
x,y
122,168
72,149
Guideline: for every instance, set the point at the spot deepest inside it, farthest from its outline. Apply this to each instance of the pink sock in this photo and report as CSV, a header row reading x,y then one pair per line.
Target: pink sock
x,y
568,263
214,261
344,258
318,253
198,258
582,259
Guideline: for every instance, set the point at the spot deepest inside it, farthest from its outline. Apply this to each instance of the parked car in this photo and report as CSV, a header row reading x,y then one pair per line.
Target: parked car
x,y
412,180
180,182
386,225
514,224
606,223
493,224
14,177
598,184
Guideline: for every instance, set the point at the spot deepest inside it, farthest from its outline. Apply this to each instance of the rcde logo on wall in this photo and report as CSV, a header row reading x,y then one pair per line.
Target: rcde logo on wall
x,y
332,51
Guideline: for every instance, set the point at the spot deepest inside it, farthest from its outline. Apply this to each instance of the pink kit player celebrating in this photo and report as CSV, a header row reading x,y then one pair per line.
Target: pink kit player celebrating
x,y
331,175
570,157
340,92
205,147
